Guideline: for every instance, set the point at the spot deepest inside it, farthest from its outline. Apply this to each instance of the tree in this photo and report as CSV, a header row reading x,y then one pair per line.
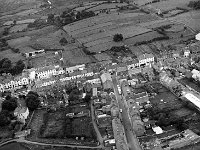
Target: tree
x,y
10,104
117,37
63,41
32,100
18,68
74,95
5,120
50,18
5,63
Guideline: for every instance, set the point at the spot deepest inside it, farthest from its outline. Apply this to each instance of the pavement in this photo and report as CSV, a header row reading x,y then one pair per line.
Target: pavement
x,y
133,142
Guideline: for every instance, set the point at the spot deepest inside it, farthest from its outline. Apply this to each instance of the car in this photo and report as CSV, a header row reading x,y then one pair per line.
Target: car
x,y
119,89
120,110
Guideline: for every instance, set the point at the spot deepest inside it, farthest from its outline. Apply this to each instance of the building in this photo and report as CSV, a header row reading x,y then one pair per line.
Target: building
x,y
106,80
137,123
145,59
119,135
177,141
21,113
137,96
193,98
132,64
104,120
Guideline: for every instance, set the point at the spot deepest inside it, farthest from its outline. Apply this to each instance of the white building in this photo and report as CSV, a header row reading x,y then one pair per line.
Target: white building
x,y
21,113
145,59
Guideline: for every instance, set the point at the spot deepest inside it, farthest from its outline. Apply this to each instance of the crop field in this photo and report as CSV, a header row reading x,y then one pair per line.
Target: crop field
x,y
142,37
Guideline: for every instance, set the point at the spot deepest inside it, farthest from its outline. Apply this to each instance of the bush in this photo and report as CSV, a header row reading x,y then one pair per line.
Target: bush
x,y
117,37
5,120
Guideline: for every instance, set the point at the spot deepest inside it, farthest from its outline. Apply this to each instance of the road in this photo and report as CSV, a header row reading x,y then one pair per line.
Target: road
x,y
132,140
100,139
45,144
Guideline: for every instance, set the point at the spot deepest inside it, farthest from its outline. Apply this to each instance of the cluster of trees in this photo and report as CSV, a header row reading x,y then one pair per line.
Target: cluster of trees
x,y
68,17
117,37
165,118
194,4
10,104
7,67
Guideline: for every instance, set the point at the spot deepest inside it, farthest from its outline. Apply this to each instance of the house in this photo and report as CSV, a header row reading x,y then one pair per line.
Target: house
x,y
137,123
104,120
21,113
132,64
145,59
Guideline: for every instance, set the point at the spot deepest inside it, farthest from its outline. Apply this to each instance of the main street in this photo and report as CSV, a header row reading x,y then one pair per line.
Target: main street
x,y
132,140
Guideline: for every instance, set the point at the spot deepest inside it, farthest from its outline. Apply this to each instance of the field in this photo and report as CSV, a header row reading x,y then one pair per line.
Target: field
x,y
191,19
18,28
169,4
97,33
142,37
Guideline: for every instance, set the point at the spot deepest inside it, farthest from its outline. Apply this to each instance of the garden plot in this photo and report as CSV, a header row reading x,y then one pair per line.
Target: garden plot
x,y
143,37
102,57
18,28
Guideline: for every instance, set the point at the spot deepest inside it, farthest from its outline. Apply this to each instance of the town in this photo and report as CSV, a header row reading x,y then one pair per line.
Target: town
x,y
105,75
